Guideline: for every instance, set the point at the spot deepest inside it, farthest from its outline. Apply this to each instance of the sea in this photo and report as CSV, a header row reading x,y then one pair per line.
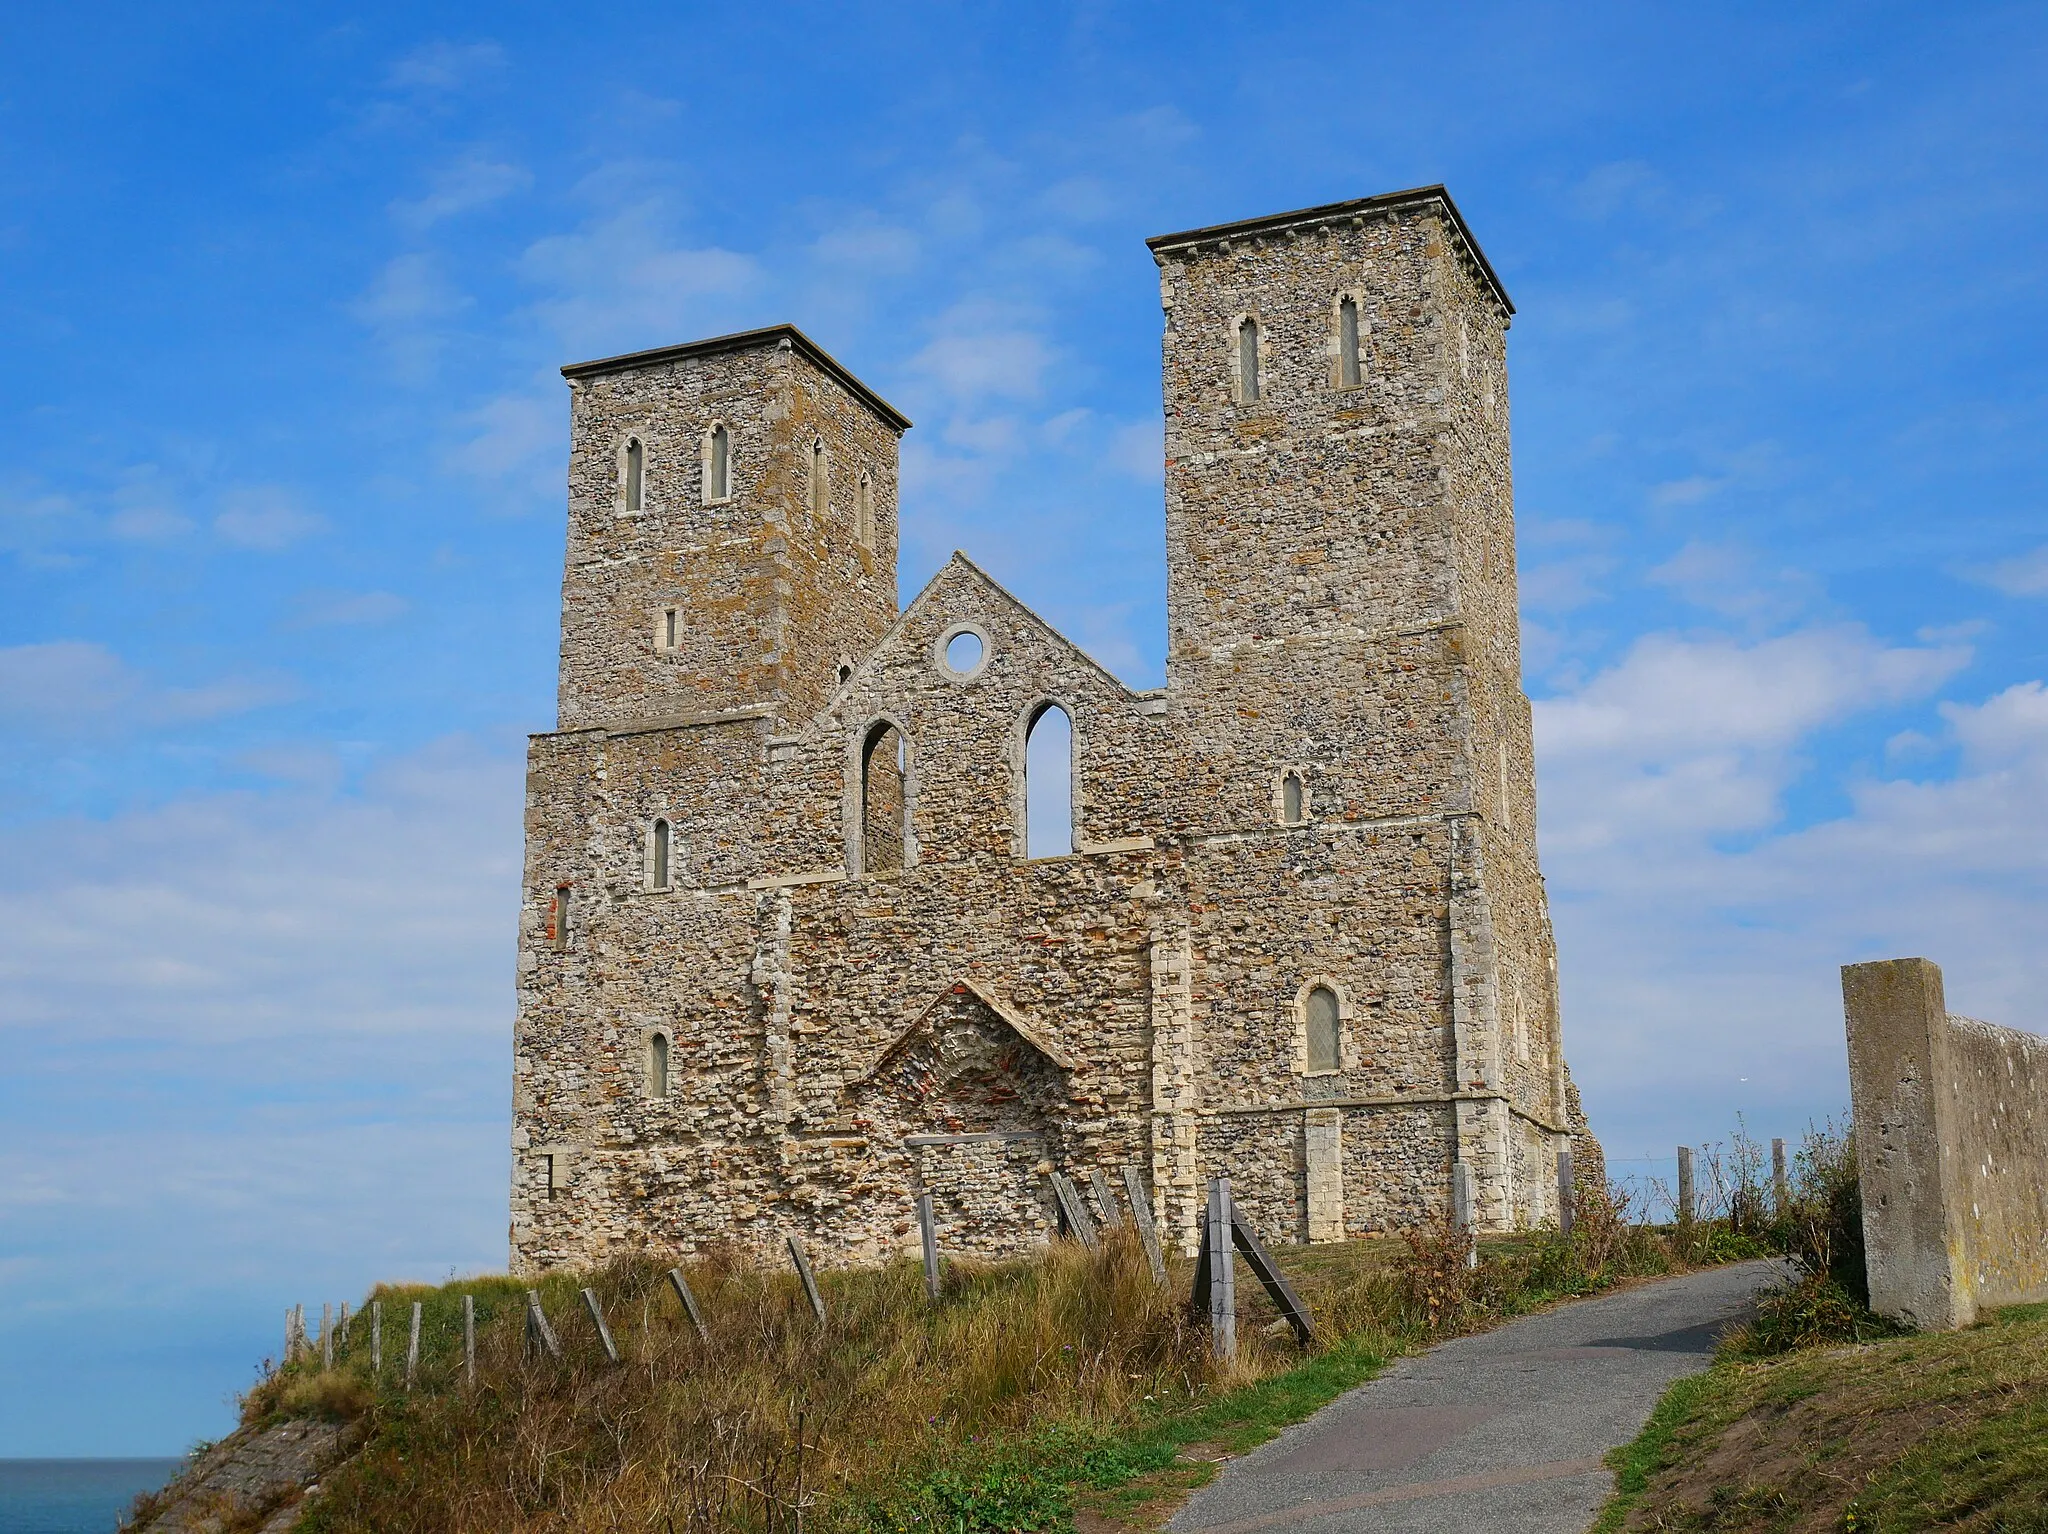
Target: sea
x,y
74,1496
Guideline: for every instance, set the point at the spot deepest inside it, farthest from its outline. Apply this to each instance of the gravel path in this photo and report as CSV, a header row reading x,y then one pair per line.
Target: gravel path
x,y
1499,1432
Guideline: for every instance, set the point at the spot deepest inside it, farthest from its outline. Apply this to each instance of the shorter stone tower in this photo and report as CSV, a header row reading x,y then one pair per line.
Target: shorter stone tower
x,y
732,528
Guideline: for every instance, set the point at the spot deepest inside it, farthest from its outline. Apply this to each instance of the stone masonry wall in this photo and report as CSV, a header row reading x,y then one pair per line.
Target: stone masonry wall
x,y
1951,1120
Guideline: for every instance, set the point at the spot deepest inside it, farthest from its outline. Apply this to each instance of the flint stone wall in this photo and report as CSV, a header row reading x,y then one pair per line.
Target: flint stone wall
x,y
1951,1120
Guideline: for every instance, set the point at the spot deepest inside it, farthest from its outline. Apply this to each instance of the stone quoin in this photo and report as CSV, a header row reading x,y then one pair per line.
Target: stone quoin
x,y
785,962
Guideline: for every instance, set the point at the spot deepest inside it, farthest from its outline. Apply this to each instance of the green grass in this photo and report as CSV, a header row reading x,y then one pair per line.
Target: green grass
x,y
1933,1431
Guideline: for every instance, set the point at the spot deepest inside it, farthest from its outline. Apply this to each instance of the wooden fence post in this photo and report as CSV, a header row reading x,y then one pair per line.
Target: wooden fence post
x,y
412,1348
682,1289
341,1332
928,1234
1285,1300
1079,1226
1567,1194
1105,1199
469,1340
1148,1227
326,1335
537,1328
1781,1185
289,1338
803,1271
377,1341
1687,1208
604,1333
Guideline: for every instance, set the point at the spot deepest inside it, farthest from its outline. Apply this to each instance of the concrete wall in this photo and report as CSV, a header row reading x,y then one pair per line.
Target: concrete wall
x,y
1951,1146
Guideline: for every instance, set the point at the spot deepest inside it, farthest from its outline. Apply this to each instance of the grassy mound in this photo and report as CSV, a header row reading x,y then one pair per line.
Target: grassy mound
x,y
1031,1390
1945,1431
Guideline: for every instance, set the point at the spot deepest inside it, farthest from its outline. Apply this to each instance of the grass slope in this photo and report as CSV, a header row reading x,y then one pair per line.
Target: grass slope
x,y
1935,1431
1035,1394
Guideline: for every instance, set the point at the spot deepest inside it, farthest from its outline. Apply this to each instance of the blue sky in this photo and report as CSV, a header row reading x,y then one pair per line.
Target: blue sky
x,y
283,291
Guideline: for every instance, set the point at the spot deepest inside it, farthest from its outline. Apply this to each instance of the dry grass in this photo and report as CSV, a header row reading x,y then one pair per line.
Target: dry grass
x,y
1028,1384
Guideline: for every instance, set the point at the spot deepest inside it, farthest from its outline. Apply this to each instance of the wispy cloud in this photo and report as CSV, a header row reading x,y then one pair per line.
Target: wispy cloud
x,y
265,518
445,66
472,181
2024,575
75,686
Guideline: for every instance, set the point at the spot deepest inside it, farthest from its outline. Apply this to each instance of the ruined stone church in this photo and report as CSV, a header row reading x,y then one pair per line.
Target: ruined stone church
x,y
785,960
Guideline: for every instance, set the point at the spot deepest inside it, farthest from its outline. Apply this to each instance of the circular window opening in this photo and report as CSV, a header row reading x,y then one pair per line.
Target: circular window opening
x,y
963,652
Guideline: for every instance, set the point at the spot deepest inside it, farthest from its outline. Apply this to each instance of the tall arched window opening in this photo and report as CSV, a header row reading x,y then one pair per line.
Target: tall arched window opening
x,y
1348,374
1248,361
1293,803
636,457
864,511
718,464
1049,784
884,771
657,857
821,488
1324,1043
657,1065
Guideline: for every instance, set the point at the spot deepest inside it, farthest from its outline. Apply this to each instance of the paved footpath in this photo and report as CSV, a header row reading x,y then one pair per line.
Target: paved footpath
x,y
1504,1431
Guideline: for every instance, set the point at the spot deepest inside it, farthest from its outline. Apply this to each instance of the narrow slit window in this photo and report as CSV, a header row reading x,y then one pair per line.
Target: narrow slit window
x,y
864,511
1248,361
668,628
718,467
636,473
549,1178
1324,1043
1292,805
1049,784
884,802
821,488
657,857
558,917
657,1066
1348,375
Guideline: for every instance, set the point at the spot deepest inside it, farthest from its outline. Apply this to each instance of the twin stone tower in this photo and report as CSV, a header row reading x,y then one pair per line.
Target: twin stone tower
x,y
784,961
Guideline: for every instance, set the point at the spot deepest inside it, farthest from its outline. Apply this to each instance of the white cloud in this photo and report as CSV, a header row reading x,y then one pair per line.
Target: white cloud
x,y
321,609
515,442
267,518
76,686
444,66
2024,575
622,284
868,246
973,360
462,185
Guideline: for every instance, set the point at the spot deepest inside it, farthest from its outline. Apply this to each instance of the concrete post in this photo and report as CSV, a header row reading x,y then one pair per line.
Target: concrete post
x,y
326,1336
1688,1208
1897,1018
1222,1272
1461,1208
1781,1185
928,1239
412,1348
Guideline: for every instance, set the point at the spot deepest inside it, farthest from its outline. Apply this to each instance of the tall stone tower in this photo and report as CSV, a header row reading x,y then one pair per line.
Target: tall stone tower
x,y
732,529
1341,599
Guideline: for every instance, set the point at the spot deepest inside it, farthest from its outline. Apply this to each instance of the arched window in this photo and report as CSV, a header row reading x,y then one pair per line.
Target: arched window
x,y
864,511
657,856
657,1065
1348,373
821,484
669,629
636,473
884,774
1325,1050
718,464
1293,801
1248,361
1049,783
